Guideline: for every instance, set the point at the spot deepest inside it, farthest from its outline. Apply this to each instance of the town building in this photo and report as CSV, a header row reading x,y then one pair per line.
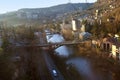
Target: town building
x,y
116,51
75,24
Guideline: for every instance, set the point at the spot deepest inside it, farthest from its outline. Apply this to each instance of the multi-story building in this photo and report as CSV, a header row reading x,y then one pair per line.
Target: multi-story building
x,y
75,24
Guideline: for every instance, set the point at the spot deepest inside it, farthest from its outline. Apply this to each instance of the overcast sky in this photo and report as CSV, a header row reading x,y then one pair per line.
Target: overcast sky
x,y
12,5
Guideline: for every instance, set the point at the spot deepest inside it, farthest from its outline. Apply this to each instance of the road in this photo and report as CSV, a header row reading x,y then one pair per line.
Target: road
x,y
51,66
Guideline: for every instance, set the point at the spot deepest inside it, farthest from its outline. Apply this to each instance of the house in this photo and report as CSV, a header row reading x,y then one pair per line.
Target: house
x,y
84,36
75,24
112,45
115,51
111,19
106,43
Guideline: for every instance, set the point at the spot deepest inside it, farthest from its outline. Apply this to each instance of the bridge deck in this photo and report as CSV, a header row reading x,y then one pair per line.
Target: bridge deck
x,y
53,44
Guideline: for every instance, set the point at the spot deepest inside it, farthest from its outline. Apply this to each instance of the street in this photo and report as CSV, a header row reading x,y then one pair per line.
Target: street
x,y
51,66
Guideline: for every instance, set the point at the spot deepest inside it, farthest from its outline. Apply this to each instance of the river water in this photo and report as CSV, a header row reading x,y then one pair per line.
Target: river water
x,y
63,51
82,65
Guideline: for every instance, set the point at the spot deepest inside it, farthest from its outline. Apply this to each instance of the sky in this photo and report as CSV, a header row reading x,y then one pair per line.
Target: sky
x,y
13,5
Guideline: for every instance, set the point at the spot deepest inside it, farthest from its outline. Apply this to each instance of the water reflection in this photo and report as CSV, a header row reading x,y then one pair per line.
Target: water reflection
x,y
64,51
83,67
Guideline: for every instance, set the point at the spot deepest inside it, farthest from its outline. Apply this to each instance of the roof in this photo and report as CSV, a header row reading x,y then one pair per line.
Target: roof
x,y
56,38
112,40
85,34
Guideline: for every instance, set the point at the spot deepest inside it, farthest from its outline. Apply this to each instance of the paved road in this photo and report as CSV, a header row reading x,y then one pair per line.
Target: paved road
x,y
51,66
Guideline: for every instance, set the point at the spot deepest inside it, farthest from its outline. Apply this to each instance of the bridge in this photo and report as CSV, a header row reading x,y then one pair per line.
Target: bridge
x,y
56,45
61,43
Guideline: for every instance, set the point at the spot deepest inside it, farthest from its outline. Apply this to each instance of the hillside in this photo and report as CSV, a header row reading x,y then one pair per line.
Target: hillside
x,y
26,15
106,9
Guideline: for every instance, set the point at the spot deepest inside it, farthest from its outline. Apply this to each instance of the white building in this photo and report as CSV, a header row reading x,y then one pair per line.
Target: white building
x,y
75,24
74,27
116,51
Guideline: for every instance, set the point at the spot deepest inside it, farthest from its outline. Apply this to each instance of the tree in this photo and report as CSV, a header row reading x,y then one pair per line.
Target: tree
x,y
5,43
95,29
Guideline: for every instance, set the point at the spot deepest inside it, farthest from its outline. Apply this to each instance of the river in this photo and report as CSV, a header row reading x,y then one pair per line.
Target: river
x,y
82,65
